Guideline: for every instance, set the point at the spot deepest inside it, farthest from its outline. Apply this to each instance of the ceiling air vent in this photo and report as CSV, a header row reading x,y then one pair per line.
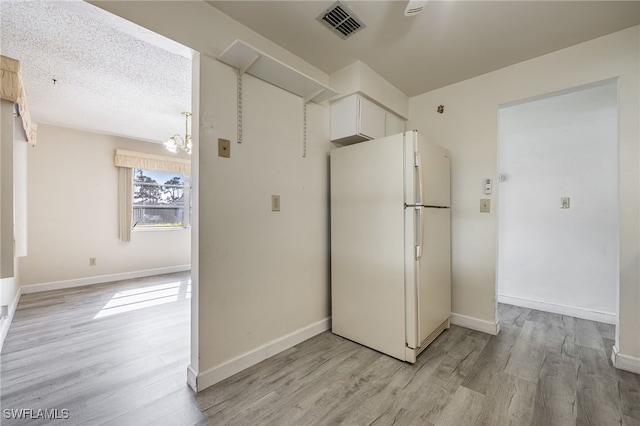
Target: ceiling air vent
x,y
341,20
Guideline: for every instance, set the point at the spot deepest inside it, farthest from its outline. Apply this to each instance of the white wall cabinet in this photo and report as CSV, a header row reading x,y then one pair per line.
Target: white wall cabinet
x,y
356,119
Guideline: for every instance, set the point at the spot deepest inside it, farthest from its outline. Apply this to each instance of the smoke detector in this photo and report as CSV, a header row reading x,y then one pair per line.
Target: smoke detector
x,y
341,20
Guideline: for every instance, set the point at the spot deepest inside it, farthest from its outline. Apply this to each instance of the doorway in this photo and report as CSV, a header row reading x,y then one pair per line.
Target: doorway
x,y
558,208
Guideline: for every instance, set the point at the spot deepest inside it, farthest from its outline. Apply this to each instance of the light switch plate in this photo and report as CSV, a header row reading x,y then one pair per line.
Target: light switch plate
x,y
224,148
485,205
275,203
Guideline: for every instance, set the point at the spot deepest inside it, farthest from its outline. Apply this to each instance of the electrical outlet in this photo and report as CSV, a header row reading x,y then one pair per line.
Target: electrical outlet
x,y
92,261
4,311
275,203
485,205
565,202
224,148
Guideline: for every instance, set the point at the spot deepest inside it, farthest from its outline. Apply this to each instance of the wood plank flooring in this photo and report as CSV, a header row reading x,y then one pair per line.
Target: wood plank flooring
x,y
103,352
116,354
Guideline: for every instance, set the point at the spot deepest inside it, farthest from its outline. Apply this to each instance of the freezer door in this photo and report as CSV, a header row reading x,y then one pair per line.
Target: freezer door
x,y
428,286
427,168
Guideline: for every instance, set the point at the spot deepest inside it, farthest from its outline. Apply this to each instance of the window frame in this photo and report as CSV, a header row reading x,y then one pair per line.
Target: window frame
x,y
186,207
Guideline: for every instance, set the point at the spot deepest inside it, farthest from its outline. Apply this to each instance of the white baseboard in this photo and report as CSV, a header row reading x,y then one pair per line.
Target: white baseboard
x,y
475,324
205,379
625,362
6,322
605,317
99,279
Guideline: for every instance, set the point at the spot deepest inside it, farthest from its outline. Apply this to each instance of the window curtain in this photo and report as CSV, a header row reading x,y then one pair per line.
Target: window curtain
x,y
141,160
125,202
126,161
11,89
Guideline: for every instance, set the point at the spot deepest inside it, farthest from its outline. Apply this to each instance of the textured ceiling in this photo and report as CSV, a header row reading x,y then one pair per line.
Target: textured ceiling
x,y
112,76
449,41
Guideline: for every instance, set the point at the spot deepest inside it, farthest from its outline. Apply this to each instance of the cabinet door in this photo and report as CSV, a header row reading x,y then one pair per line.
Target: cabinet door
x,y
344,115
371,118
394,124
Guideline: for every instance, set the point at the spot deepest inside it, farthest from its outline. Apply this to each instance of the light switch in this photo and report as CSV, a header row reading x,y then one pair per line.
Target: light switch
x,y
565,202
275,203
485,205
487,186
224,148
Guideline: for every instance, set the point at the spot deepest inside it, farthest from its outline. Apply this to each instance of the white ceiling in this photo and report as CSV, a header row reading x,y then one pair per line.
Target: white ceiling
x,y
449,41
112,76
117,78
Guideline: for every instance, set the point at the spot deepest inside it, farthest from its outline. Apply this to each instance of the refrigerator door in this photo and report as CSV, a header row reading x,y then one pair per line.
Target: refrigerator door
x,y
428,285
428,179
367,244
434,272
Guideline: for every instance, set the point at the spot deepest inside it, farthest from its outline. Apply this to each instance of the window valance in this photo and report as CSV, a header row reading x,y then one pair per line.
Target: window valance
x,y
141,160
11,89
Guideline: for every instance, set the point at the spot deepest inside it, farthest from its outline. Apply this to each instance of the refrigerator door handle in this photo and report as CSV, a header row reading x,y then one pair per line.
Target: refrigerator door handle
x,y
418,207
418,162
420,232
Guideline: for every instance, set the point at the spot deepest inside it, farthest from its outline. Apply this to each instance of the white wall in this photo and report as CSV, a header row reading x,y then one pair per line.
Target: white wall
x,y
468,128
20,151
72,212
262,277
561,260
7,190
9,277
262,274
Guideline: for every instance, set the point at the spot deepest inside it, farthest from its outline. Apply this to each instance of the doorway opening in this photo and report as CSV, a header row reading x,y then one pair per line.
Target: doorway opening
x,y
558,229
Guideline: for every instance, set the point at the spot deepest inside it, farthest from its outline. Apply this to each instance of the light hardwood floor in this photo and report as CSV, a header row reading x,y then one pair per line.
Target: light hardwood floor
x,y
104,355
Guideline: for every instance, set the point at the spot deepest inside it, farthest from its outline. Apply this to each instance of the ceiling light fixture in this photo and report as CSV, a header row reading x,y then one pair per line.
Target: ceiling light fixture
x,y
179,141
414,7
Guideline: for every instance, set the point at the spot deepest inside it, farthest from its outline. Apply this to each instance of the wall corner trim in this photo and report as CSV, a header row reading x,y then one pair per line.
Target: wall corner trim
x,y
476,324
192,378
216,374
5,323
99,279
625,362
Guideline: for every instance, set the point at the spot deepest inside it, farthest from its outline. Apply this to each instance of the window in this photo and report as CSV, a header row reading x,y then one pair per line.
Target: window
x,y
160,199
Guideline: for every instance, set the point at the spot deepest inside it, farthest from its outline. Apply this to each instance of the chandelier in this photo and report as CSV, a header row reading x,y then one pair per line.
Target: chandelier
x,y
179,141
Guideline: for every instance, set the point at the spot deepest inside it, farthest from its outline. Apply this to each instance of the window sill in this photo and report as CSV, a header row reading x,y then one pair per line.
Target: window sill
x,y
167,228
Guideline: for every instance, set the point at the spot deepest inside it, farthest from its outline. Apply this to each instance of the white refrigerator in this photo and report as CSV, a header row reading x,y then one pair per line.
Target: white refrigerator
x,y
391,243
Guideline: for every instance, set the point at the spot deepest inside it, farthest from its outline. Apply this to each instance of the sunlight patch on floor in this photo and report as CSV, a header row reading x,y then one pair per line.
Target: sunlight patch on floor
x,y
144,297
